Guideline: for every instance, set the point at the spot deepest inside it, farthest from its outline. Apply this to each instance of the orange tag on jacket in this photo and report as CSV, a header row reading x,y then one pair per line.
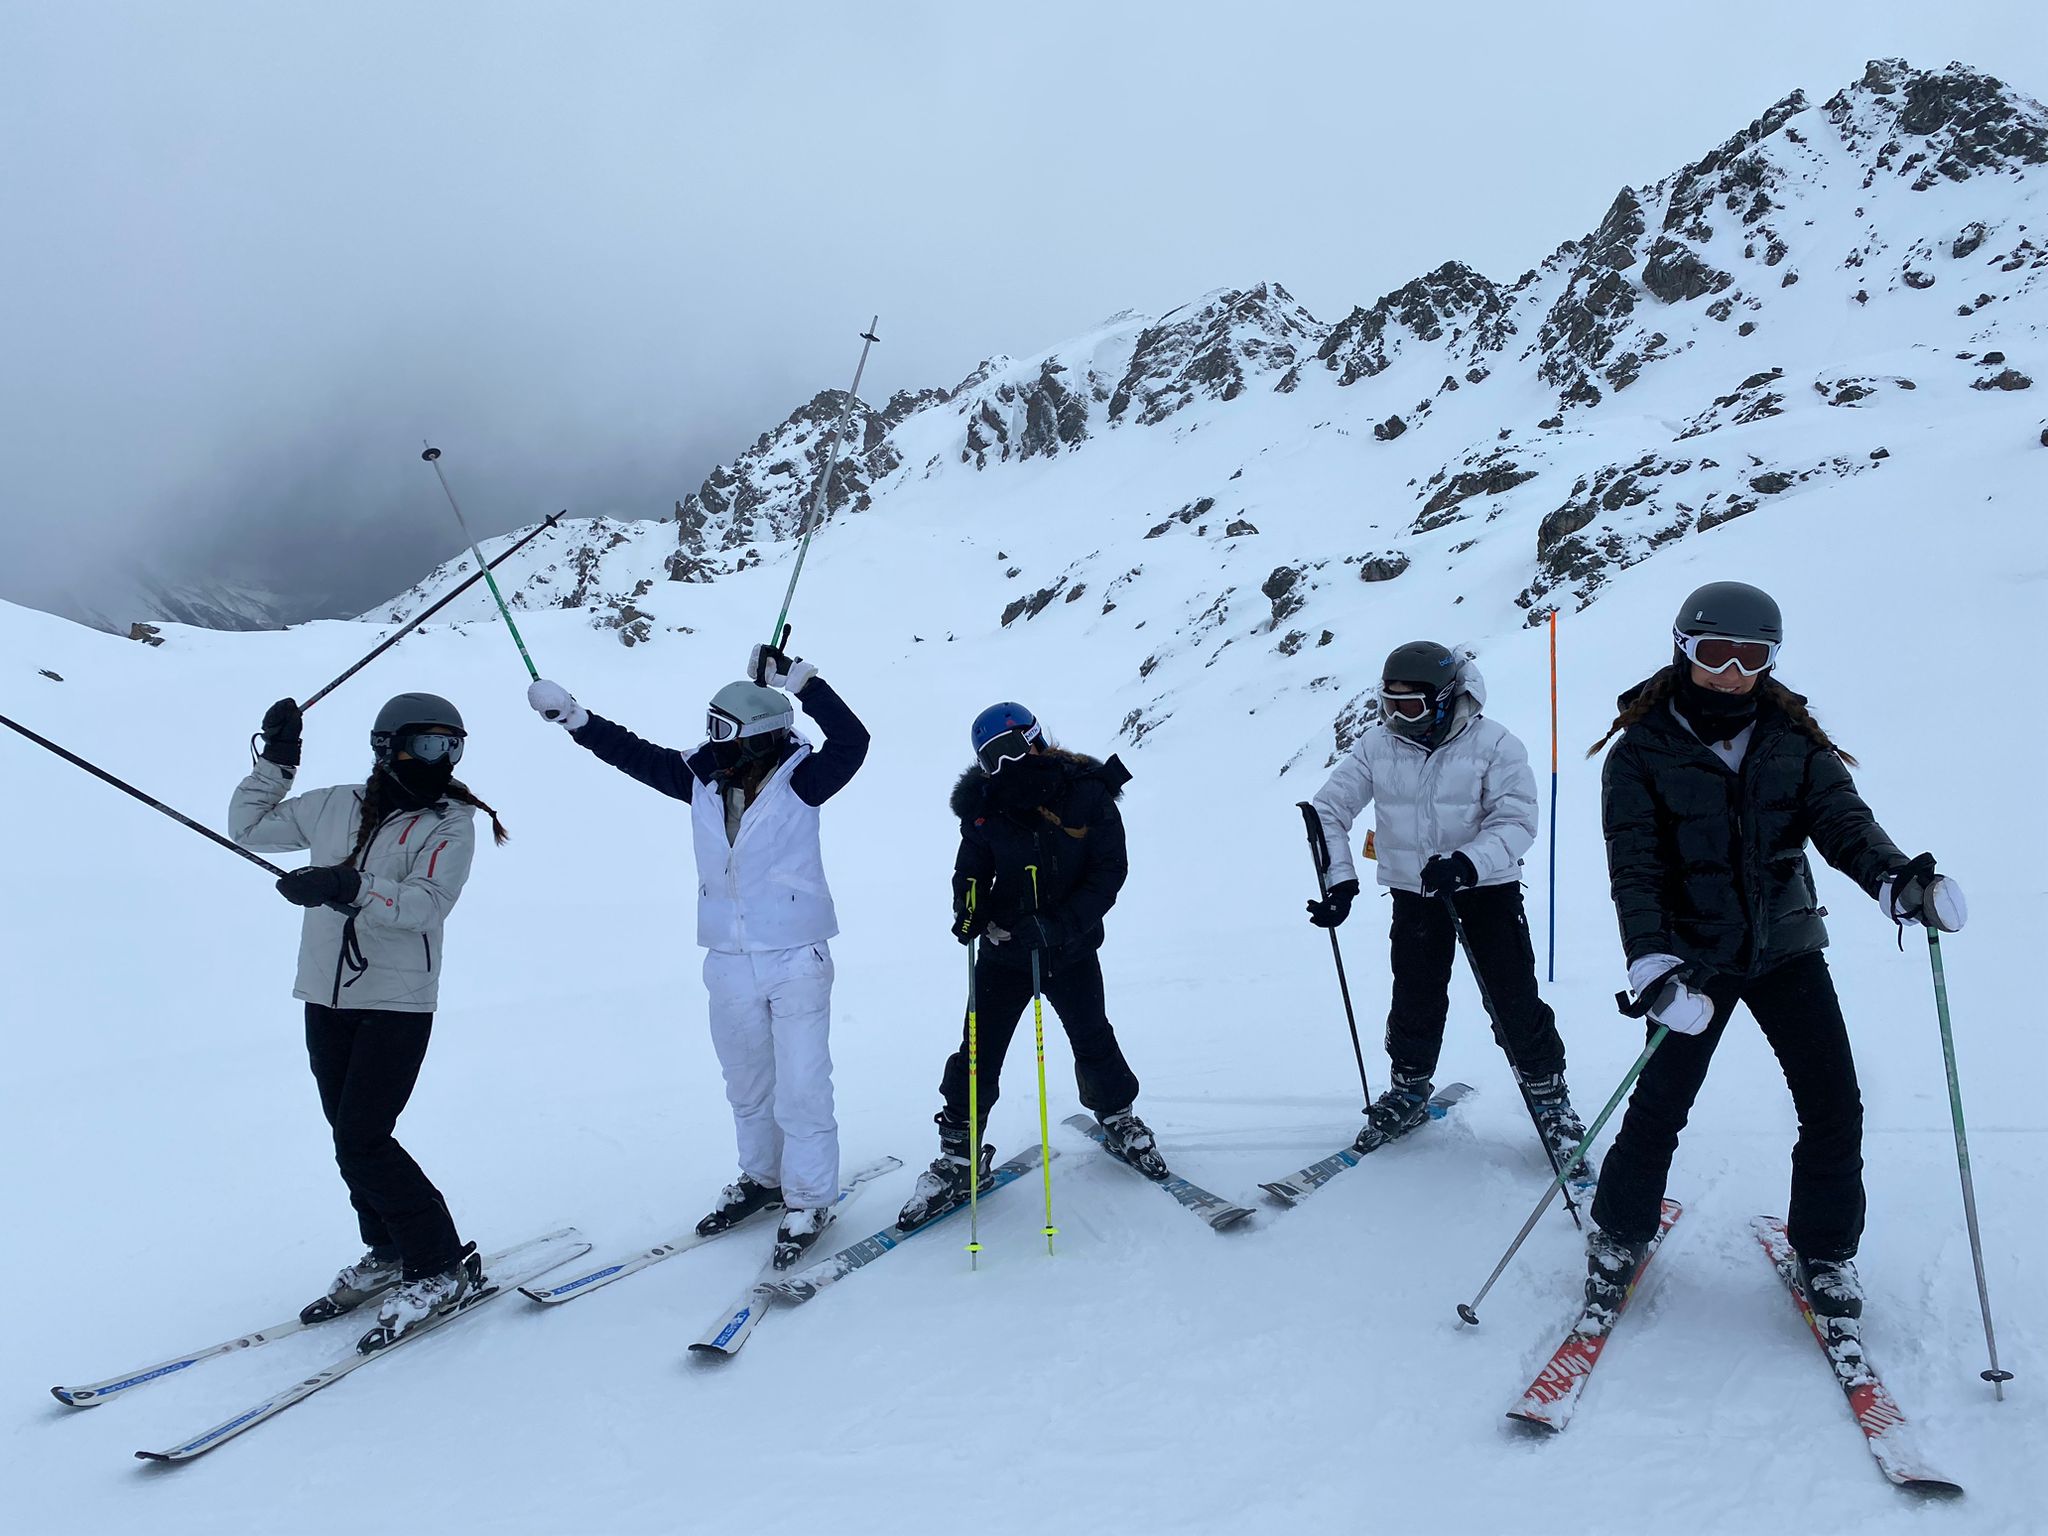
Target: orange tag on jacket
x,y
1370,852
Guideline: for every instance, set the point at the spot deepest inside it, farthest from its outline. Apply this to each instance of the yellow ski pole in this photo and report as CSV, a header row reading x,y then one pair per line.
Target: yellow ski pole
x,y
1038,1026
973,1108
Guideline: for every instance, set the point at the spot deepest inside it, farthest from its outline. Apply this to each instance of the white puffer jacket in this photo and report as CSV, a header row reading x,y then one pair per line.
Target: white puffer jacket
x,y
766,888
1475,795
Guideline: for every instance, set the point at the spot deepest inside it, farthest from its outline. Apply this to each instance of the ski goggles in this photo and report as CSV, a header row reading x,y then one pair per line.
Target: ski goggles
x,y
1409,706
1012,746
722,727
422,746
1717,653
431,746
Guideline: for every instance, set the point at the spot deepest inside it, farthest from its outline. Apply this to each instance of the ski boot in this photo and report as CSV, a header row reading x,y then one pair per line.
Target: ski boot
x,y
370,1276
1559,1125
430,1296
944,1185
1833,1289
1611,1266
1396,1112
1128,1138
800,1230
737,1201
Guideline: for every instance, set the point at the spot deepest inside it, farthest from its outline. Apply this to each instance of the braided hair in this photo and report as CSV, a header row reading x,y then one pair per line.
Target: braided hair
x,y
1664,683
376,807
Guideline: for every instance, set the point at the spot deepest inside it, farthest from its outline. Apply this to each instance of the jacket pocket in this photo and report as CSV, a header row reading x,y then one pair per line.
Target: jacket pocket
x,y
390,950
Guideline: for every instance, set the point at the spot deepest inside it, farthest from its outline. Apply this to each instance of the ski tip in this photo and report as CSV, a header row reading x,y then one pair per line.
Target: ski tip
x,y
1529,1421
159,1458
1283,1195
70,1399
1225,1221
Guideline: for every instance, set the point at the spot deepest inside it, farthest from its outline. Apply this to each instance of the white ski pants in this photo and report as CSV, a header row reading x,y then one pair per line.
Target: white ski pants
x,y
771,1021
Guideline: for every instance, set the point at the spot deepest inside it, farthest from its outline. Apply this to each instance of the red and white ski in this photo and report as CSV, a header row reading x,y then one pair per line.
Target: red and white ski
x,y
1876,1412
1553,1396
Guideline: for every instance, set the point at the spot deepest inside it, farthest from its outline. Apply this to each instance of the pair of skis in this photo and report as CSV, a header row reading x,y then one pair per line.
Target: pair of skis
x,y
514,1266
1553,1397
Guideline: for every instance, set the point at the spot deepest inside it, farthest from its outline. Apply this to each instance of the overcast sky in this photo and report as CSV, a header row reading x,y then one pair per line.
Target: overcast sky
x,y
255,252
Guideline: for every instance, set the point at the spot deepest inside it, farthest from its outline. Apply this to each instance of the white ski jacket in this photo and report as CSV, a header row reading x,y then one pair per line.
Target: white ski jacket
x,y
766,888
413,871
1474,794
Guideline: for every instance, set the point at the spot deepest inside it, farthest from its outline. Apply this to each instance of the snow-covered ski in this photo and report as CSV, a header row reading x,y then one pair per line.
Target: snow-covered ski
x,y
806,1283
100,1391
1218,1212
1553,1396
1299,1185
1877,1414
513,1267
731,1329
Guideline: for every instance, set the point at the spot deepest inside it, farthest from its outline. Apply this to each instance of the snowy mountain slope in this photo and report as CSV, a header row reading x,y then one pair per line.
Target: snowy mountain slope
x,y
1829,293
174,1183
571,1079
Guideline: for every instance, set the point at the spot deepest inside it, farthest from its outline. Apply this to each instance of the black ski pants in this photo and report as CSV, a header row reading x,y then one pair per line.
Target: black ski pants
x,y
365,1061
1073,985
1795,1006
1424,945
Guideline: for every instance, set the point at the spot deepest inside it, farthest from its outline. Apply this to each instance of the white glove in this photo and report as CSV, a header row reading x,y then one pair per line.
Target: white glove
x,y
1939,904
994,935
1678,1007
773,669
554,702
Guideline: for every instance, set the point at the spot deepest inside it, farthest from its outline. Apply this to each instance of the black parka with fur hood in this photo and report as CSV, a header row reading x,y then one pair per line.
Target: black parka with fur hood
x,y
1074,839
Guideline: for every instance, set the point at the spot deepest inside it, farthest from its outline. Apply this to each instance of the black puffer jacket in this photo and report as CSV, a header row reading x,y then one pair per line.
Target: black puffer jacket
x,y
1075,839
1710,865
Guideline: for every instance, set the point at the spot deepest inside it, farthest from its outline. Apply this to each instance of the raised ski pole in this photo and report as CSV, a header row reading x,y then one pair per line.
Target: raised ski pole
x,y
1319,852
973,1108
1468,1311
1500,1038
1044,1123
1552,973
433,456
427,613
1997,1377
149,800
820,492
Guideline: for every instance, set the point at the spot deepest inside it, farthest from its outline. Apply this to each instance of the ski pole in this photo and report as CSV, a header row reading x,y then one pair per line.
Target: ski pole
x,y
1469,1311
1500,1038
814,514
1044,1123
427,613
1319,854
1552,976
1998,1378
973,1108
433,457
149,800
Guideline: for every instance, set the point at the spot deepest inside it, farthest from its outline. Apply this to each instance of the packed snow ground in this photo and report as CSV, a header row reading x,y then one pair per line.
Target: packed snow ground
x,y
172,1180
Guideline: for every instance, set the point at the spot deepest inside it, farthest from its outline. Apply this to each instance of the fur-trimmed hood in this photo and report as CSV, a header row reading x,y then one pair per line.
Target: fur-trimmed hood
x,y
970,792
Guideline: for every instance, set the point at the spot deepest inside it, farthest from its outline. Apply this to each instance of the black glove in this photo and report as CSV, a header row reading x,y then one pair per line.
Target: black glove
x,y
1331,911
967,924
1442,875
284,733
321,885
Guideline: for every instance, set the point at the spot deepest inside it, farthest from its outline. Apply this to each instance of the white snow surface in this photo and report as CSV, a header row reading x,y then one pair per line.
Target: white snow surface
x,y
171,1180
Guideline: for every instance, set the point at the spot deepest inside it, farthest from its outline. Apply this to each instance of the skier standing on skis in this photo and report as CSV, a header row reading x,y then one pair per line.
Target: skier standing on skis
x,y
1040,863
764,918
1720,780
390,857
1456,811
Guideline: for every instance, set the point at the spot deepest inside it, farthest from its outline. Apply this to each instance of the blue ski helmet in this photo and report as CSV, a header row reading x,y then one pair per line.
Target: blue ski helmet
x,y
1003,732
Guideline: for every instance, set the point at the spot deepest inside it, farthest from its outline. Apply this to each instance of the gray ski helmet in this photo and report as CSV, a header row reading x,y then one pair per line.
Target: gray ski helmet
x,y
740,711
413,711
1731,608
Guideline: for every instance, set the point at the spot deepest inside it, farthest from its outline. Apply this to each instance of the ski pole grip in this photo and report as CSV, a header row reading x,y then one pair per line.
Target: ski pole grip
x,y
1318,840
1639,1007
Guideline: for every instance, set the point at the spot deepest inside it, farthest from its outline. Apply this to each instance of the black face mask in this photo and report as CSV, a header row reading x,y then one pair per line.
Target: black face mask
x,y
1713,715
748,754
1024,783
418,785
